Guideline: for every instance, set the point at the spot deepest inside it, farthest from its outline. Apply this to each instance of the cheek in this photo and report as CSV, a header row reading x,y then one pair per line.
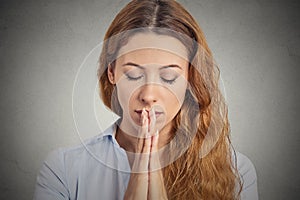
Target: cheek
x,y
175,99
178,90
173,102
123,96
125,91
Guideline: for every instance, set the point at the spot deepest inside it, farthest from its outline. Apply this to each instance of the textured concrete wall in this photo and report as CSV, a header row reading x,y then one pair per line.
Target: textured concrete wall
x,y
256,44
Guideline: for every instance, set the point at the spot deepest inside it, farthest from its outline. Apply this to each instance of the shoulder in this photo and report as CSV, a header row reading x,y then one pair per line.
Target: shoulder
x,y
62,167
245,168
73,156
247,173
88,146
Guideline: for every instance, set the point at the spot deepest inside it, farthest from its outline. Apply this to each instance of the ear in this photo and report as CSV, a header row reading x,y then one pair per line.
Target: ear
x,y
111,74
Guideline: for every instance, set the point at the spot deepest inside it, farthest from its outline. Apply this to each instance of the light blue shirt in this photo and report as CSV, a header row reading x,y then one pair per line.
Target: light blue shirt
x,y
99,169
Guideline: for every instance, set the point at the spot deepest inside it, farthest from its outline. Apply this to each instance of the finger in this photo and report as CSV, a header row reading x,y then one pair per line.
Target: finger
x,y
152,121
142,133
145,124
154,156
147,139
155,139
143,155
139,144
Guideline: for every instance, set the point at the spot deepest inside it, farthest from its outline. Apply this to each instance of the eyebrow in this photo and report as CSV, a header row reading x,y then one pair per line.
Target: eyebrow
x,y
141,67
133,64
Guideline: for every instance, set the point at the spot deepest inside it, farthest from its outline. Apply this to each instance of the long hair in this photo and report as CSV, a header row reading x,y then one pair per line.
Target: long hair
x,y
206,169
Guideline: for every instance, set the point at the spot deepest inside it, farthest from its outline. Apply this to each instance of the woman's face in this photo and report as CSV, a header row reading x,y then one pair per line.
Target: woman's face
x,y
149,74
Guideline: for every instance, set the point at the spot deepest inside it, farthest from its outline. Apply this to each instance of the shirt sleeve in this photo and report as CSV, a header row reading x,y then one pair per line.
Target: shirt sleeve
x,y
51,181
248,176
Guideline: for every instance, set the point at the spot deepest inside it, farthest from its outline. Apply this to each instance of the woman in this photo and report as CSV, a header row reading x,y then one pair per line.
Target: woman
x,y
172,139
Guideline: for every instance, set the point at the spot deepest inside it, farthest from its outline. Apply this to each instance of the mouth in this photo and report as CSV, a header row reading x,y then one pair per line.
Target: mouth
x,y
157,113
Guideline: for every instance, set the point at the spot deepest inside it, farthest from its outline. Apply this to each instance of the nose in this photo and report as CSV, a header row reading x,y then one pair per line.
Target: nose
x,y
149,94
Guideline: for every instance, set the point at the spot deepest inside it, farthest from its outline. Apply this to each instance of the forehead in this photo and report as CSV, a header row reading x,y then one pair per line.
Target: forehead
x,y
152,56
149,45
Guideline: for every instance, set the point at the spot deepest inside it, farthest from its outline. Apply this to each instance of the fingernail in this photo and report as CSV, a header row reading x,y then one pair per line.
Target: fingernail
x,y
155,138
143,113
156,135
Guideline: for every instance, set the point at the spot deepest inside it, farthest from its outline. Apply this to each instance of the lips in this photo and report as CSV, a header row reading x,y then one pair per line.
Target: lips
x,y
157,113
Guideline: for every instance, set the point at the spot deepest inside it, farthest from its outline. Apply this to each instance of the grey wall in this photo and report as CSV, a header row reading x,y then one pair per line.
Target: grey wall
x,y
256,44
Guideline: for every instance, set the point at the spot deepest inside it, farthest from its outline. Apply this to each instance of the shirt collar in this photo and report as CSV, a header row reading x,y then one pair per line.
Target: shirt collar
x,y
110,133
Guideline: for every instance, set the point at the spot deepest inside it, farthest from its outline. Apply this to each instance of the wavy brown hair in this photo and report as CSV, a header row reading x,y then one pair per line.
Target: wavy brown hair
x,y
206,169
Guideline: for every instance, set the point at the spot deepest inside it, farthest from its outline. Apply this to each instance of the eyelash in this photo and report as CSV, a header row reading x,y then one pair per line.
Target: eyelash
x,y
139,77
133,78
169,81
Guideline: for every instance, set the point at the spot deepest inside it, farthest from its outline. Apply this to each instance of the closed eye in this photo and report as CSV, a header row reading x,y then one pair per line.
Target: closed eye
x,y
133,78
169,81
168,76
